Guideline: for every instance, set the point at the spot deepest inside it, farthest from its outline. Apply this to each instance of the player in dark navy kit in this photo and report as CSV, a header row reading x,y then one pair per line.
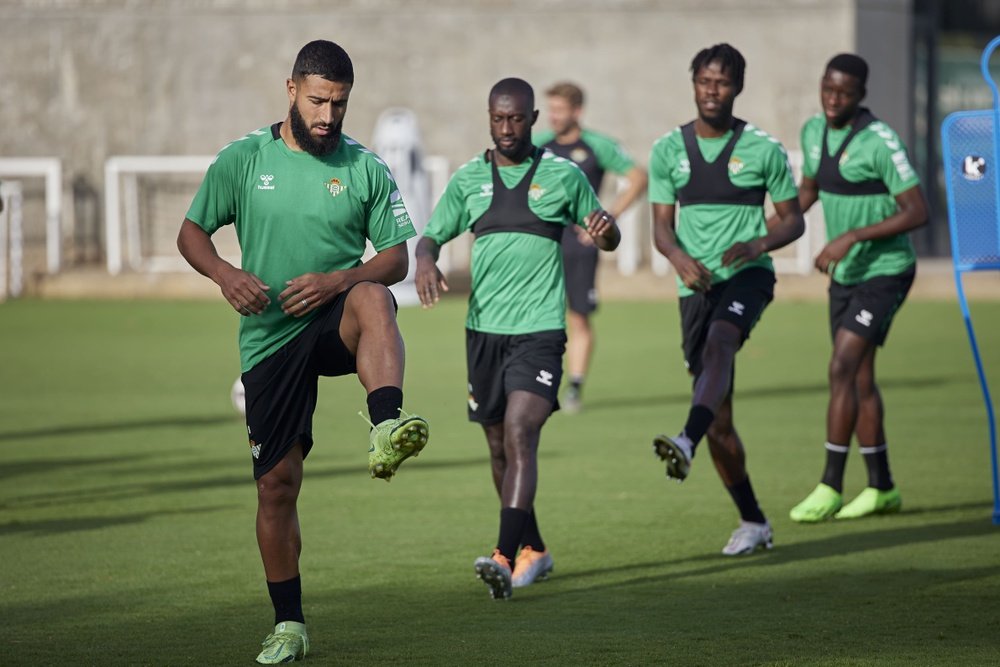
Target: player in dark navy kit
x,y
718,169
596,154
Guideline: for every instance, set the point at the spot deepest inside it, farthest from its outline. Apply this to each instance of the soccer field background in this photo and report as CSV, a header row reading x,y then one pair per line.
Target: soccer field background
x,y
127,504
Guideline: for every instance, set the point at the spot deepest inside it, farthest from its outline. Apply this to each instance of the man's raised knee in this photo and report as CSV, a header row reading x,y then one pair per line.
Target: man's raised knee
x,y
371,294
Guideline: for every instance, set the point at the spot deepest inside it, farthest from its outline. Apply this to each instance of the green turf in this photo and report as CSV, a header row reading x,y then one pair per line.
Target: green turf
x,y
126,505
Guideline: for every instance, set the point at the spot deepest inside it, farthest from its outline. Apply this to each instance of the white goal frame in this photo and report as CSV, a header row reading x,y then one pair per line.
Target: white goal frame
x,y
11,240
121,198
121,195
123,242
49,168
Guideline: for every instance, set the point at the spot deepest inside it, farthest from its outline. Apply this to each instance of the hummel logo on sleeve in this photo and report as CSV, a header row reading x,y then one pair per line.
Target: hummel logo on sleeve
x,y
545,378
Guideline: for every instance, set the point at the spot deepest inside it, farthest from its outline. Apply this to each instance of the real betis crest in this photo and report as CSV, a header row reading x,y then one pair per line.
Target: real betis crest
x,y
535,192
735,165
335,186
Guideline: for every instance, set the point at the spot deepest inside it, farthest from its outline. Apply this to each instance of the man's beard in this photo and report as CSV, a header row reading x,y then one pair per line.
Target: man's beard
x,y
723,120
318,146
518,151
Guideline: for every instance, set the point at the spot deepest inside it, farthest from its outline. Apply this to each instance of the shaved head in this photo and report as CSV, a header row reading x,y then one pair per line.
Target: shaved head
x,y
512,113
515,88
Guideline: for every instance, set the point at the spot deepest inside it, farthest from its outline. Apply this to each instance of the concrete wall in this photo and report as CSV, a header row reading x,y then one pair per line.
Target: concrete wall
x,y
84,80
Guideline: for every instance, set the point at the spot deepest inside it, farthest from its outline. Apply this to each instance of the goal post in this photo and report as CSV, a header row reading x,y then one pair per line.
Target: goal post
x,y
123,228
11,240
49,169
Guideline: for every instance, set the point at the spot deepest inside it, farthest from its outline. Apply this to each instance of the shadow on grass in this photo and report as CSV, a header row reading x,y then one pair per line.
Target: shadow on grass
x,y
58,526
122,491
116,426
844,544
759,393
13,469
899,613
985,505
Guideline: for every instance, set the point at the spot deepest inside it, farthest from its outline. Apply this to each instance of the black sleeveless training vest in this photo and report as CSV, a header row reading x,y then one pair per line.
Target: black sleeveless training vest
x,y
709,182
828,177
509,211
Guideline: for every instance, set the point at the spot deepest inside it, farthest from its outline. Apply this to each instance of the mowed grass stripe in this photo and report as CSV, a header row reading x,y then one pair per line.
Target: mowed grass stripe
x,y
126,508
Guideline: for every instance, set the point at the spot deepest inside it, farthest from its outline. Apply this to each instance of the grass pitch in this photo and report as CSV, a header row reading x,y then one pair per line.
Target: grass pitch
x,y
127,504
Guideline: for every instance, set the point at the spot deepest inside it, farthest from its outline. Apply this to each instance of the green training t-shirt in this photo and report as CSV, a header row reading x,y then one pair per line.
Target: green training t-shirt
x,y
517,279
610,154
295,214
875,153
706,231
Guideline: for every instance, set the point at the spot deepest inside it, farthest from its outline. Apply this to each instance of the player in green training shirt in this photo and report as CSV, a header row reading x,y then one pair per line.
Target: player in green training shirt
x,y
858,169
595,154
718,168
304,198
516,199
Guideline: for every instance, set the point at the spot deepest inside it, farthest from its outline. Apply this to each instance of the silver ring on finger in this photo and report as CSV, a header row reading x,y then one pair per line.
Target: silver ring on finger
x,y
305,304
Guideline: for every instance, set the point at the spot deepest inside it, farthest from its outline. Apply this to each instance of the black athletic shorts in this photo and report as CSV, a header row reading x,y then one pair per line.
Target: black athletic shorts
x,y
867,308
580,267
499,364
281,389
740,300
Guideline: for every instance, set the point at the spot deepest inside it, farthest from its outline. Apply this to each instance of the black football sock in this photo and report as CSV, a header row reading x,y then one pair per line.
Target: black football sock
x,y
836,459
877,462
512,522
746,502
384,403
532,537
699,419
286,596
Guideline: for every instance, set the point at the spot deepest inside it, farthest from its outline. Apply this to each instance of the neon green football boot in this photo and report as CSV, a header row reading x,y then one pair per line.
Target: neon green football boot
x,y
288,643
871,501
821,504
393,441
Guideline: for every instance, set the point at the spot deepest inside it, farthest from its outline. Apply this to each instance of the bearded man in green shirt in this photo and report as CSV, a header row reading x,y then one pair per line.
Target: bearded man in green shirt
x,y
304,198
516,199
858,169
718,168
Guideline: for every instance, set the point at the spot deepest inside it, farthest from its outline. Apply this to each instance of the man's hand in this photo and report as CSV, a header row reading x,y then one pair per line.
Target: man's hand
x,y
244,291
583,236
430,282
599,223
833,252
693,273
310,291
741,253
602,229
